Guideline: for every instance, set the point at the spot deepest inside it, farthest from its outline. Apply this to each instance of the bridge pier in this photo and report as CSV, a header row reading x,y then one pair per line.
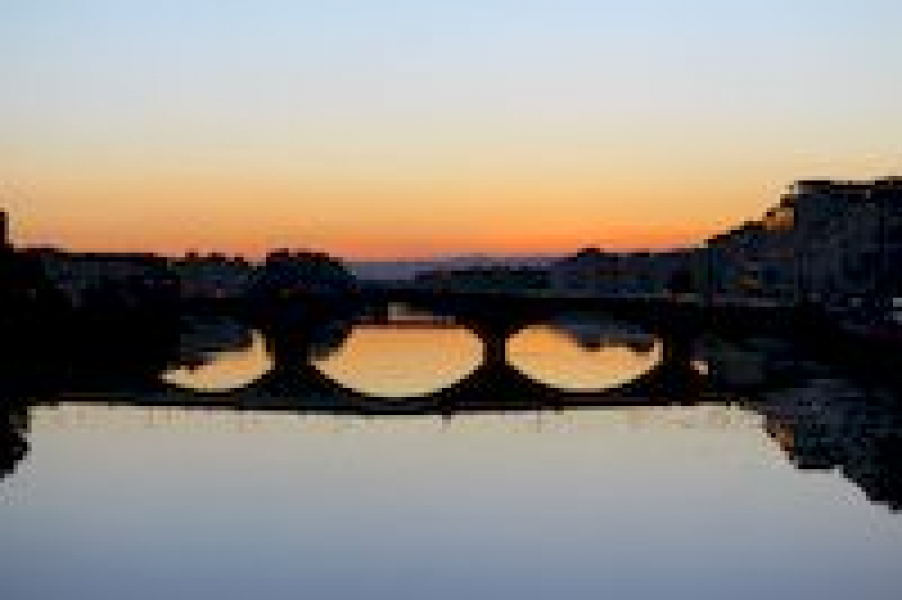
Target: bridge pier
x,y
676,376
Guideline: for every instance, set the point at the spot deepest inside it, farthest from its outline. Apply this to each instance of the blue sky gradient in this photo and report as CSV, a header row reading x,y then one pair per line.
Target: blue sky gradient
x,y
696,112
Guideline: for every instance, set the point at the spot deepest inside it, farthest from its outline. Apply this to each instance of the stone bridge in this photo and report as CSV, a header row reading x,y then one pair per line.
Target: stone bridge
x,y
294,383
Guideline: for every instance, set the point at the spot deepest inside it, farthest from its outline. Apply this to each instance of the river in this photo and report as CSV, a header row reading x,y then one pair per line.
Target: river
x,y
792,492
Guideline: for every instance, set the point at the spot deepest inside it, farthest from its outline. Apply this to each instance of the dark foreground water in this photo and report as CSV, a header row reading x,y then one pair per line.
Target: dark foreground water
x,y
790,494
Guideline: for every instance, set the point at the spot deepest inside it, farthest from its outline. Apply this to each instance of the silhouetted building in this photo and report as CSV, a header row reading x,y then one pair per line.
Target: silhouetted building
x,y
80,273
595,272
847,236
828,242
589,271
5,242
212,277
755,260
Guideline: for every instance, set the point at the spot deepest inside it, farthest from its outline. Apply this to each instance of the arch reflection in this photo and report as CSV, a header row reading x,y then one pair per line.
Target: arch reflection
x,y
583,355
228,366
396,362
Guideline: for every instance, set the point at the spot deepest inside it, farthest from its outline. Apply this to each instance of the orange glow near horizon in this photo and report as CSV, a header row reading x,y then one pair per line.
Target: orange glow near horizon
x,y
367,220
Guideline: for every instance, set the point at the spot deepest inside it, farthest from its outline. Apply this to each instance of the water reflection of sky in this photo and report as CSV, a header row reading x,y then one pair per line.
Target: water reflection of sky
x,y
553,357
403,361
677,502
226,369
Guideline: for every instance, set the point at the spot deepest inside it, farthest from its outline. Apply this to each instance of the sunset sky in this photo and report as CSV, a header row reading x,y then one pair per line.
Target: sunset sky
x,y
377,129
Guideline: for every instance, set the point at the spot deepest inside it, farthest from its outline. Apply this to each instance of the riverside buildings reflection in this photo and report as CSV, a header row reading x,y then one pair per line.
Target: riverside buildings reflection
x,y
128,491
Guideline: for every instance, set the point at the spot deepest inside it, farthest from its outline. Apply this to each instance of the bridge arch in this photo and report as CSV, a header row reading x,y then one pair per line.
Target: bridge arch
x,y
294,381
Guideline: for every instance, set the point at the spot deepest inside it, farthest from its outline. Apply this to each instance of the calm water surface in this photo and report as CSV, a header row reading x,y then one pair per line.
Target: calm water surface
x,y
700,501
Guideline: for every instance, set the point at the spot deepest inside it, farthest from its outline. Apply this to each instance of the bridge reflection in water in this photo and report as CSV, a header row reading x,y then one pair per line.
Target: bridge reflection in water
x,y
818,425
466,366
